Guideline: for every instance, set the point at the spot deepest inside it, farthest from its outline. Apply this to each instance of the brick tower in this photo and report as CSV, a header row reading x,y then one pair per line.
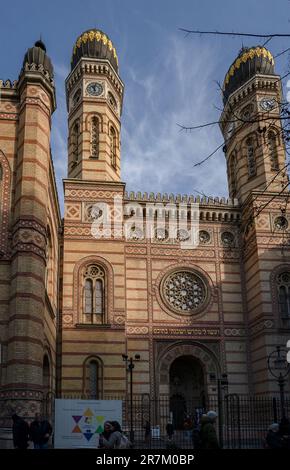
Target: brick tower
x,y
30,221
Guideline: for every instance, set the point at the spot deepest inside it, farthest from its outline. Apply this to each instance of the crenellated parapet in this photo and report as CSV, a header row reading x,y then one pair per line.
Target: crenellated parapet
x,y
179,198
8,84
210,208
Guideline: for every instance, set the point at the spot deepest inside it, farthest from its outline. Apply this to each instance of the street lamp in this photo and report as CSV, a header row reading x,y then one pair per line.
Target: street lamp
x,y
222,385
130,366
279,368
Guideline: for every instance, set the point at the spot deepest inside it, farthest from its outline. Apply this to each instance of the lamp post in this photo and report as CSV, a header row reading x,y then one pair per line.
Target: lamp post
x,y
279,368
130,364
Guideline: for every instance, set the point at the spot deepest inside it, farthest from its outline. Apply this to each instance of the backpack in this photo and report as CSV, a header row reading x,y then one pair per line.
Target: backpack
x,y
124,442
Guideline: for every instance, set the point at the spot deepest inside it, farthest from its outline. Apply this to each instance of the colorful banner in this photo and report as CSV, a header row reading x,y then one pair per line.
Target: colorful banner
x,y
78,423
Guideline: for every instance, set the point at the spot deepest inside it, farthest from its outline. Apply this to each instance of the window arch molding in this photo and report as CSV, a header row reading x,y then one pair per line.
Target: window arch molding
x,y
232,173
5,183
78,288
273,143
278,318
89,118
93,359
74,140
250,144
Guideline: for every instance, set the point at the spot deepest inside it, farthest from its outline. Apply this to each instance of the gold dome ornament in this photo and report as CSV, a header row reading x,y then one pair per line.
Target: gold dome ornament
x,y
94,44
249,62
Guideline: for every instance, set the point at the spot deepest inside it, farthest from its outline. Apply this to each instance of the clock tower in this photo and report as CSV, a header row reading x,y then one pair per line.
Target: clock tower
x,y
251,125
94,94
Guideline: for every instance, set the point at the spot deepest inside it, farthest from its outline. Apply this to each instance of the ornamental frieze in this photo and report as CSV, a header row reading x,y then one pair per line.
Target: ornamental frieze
x,y
10,116
136,250
261,326
234,255
179,252
78,231
137,330
29,236
73,211
90,195
187,331
235,332
119,319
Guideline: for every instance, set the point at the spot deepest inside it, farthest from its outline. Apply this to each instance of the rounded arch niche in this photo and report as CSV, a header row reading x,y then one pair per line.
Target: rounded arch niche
x,y
196,356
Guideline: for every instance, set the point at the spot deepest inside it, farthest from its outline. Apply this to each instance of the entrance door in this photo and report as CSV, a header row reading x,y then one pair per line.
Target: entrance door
x,y
187,388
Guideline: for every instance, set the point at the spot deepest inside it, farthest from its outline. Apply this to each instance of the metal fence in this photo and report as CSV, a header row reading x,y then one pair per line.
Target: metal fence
x,y
242,422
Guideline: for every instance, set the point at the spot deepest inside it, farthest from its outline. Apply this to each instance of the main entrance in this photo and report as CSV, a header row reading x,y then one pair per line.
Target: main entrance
x,y
187,388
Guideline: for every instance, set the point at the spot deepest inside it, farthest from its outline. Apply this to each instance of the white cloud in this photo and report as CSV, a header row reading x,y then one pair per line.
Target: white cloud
x,y
176,87
156,156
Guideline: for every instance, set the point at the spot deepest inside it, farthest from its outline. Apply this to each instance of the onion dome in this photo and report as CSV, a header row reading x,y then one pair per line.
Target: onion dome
x,y
94,44
37,55
250,61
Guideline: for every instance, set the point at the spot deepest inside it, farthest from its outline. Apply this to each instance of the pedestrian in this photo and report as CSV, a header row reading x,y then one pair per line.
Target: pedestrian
x,y
147,432
40,431
169,430
284,432
108,429
20,432
187,426
196,430
208,437
116,440
273,439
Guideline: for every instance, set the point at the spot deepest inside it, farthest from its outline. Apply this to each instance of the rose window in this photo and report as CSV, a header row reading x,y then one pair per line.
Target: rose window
x,y
227,239
184,291
204,237
182,235
281,223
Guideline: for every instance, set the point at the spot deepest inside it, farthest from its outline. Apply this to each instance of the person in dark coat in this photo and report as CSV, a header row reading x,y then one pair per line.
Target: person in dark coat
x,y
40,431
147,432
169,430
108,429
273,438
208,437
284,432
20,432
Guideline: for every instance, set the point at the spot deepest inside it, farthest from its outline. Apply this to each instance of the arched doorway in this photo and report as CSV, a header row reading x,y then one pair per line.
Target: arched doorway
x,y
186,388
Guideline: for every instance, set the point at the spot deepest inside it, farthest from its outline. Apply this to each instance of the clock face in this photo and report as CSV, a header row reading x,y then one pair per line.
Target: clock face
x,y
267,104
94,89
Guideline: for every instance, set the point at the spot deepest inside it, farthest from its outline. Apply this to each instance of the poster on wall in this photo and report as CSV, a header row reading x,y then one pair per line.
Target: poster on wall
x,y
78,423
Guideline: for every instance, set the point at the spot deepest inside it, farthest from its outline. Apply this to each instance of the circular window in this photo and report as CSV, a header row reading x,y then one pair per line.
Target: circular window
x,y
161,234
204,237
228,239
182,235
281,223
184,291
135,233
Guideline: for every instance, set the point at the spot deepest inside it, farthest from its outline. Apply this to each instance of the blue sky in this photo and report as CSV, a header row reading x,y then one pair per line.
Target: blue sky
x,y
169,78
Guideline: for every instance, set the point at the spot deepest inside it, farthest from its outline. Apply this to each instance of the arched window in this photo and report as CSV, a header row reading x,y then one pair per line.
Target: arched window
x,y
95,126
273,152
88,296
113,146
49,262
283,286
94,294
232,176
93,378
75,141
251,156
